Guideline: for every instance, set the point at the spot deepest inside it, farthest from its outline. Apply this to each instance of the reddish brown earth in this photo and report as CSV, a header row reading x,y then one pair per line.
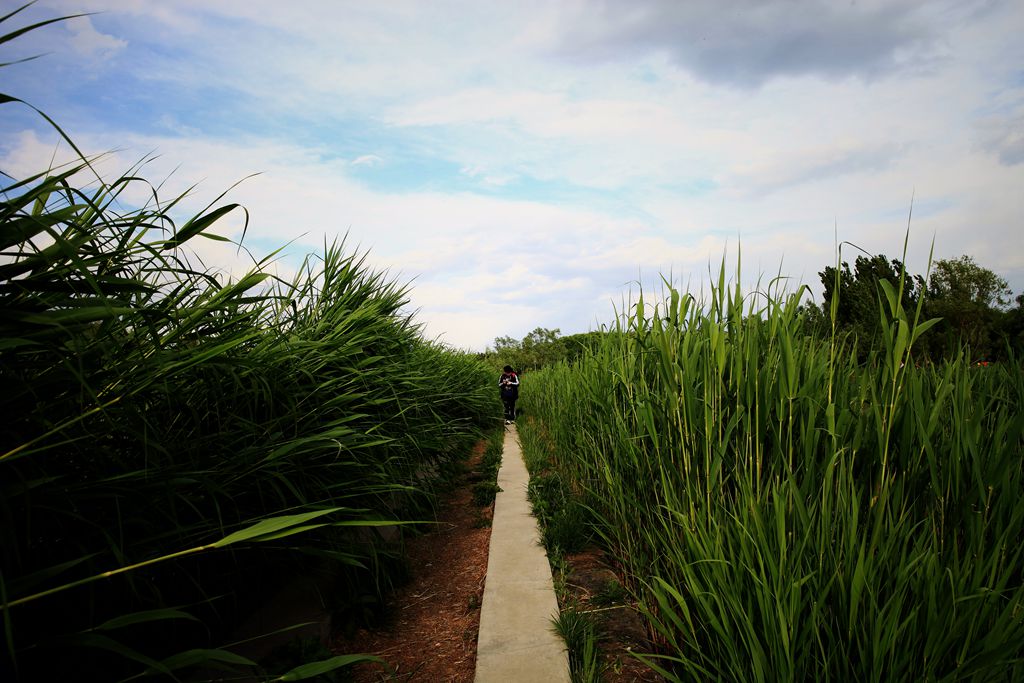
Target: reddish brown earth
x,y
622,628
431,633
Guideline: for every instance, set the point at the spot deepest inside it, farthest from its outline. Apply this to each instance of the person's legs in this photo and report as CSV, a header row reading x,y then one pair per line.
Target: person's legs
x,y
510,409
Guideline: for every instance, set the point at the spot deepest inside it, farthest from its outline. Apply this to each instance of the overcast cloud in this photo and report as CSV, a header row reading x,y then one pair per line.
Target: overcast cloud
x,y
749,42
527,164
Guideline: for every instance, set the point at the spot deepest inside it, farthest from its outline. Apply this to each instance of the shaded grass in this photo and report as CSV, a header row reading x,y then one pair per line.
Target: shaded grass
x,y
581,633
486,488
178,442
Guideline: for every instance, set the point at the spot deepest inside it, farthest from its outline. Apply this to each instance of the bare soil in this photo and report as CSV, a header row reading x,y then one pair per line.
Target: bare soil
x,y
430,633
587,576
431,630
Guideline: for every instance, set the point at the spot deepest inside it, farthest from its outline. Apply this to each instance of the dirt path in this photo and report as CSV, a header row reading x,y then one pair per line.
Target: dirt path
x,y
432,630
431,633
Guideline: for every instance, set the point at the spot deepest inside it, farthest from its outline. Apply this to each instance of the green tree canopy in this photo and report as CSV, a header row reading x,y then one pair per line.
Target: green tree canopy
x,y
859,294
969,299
541,347
963,280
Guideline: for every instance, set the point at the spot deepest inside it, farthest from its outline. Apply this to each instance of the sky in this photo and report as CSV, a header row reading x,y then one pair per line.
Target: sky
x,y
534,164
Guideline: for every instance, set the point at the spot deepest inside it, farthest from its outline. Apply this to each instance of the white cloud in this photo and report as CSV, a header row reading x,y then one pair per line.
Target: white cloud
x,y
367,160
636,158
747,44
1004,136
88,42
797,166
485,178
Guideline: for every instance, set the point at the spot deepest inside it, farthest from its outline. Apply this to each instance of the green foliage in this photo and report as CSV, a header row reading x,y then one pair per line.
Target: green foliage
x,y
580,632
857,293
961,279
785,511
177,443
491,461
967,297
485,490
308,659
1013,326
540,348
562,518
484,493
566,529
611,593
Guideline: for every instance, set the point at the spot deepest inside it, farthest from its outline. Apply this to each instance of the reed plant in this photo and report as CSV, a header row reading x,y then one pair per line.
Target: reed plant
x,y
179,443
785,512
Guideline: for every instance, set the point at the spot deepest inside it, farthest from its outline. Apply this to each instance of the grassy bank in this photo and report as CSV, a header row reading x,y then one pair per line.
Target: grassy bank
x,y
785,512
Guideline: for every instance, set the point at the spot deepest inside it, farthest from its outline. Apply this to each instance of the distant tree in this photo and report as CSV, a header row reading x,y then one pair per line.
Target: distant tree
x,y
538,348
969,299
815,320
504,344
576,345
961,279
541,347
1012,327
507,351
541,337
859,294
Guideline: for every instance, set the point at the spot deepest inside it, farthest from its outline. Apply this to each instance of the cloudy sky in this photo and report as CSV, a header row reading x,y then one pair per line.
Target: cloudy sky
x,y
527,164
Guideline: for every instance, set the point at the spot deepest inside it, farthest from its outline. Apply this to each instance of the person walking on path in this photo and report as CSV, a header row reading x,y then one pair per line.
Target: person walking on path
x,y
508,383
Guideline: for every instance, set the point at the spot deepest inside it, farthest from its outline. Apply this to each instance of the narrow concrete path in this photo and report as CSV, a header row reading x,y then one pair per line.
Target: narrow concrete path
x,y
516,643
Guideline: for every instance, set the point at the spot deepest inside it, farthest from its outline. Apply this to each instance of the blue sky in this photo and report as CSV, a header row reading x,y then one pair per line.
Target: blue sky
x,y
527,164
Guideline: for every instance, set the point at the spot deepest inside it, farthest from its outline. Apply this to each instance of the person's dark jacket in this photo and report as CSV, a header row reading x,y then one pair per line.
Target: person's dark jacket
x,y
509,385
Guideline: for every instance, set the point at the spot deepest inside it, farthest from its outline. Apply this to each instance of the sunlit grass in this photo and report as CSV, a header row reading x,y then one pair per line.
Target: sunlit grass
x,y
785,512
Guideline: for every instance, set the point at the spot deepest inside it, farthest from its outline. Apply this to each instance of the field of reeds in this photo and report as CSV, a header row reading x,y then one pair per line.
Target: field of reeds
x,y
784,512
178,444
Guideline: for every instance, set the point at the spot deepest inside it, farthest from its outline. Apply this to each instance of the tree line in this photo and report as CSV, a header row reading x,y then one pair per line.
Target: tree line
x,y
540,347
973,305
977,311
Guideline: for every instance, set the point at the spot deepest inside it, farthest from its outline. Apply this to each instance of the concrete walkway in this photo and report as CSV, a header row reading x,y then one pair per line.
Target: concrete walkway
x,y
516,643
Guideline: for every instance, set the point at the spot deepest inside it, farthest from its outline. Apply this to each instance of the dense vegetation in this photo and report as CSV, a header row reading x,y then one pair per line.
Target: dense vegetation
x,y
539,348
788,506
971,302
178,444
791,492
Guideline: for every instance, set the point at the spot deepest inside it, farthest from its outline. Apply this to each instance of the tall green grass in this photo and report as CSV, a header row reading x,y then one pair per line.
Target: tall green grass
x,y
784,512
177,443
154,409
